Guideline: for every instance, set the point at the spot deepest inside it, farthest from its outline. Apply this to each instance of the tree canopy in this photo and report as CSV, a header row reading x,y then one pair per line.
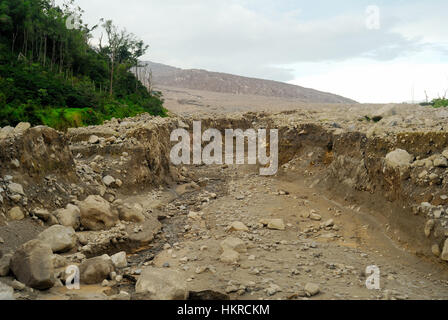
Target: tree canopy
x,y
51,74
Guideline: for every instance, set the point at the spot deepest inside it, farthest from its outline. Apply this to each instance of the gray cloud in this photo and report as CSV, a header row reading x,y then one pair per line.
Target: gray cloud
x,y
231,38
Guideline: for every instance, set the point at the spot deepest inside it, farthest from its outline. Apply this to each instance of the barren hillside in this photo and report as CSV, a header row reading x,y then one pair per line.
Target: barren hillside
x,y
203,80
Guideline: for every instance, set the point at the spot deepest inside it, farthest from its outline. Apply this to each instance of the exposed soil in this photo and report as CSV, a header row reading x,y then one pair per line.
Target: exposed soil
x,y
342,207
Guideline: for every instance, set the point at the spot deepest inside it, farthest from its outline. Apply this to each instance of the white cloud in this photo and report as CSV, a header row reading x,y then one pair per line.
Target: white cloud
x,y
256,38
369,81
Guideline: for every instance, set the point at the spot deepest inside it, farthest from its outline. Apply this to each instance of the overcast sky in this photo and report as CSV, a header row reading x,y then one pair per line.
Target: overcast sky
x,y
335,46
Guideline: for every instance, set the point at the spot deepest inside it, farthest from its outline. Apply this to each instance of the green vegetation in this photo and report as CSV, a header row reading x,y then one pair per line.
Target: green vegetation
x,y
437,103
50,73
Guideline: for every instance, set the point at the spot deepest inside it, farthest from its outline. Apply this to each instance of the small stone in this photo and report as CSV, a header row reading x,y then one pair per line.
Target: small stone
x,y
119,260
4,264
16,188
118,183
42,214
444,255
429,227
229,256
272,290
17,285
15,163
329,223
441,162
235,244
274,224
16,214
22,127
238,226
109,181
435,249
315,217
94,139
312,289
445,153
6,292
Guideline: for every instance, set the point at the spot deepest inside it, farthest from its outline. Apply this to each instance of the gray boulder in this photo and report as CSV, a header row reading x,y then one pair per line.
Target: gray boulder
x,y
131,212
399,158
97,214
162,284
32,264
70,216
59,238
96,270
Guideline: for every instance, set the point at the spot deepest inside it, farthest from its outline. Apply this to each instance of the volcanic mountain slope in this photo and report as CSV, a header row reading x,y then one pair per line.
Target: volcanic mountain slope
x,y
194,79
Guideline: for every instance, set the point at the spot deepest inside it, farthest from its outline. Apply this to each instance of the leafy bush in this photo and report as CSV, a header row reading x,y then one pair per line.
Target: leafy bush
x,y
440,103
51,75
436,103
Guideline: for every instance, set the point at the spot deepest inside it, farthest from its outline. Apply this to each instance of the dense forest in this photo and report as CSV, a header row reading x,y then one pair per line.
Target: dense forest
x,y
52,74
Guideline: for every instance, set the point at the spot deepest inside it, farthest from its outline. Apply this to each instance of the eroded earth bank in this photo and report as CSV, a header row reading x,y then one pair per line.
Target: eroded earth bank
x,y
357,187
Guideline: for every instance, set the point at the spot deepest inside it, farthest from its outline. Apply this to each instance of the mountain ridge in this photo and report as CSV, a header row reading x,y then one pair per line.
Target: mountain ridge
x,y
200,79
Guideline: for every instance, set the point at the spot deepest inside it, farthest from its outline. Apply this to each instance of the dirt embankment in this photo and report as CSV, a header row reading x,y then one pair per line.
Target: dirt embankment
x,y
106,184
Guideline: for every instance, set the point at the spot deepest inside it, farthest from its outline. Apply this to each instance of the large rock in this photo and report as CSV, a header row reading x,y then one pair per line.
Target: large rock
x,y
399,158
131,212
96,270
162,284
69,217
97,214
32,264
6,292
59,238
